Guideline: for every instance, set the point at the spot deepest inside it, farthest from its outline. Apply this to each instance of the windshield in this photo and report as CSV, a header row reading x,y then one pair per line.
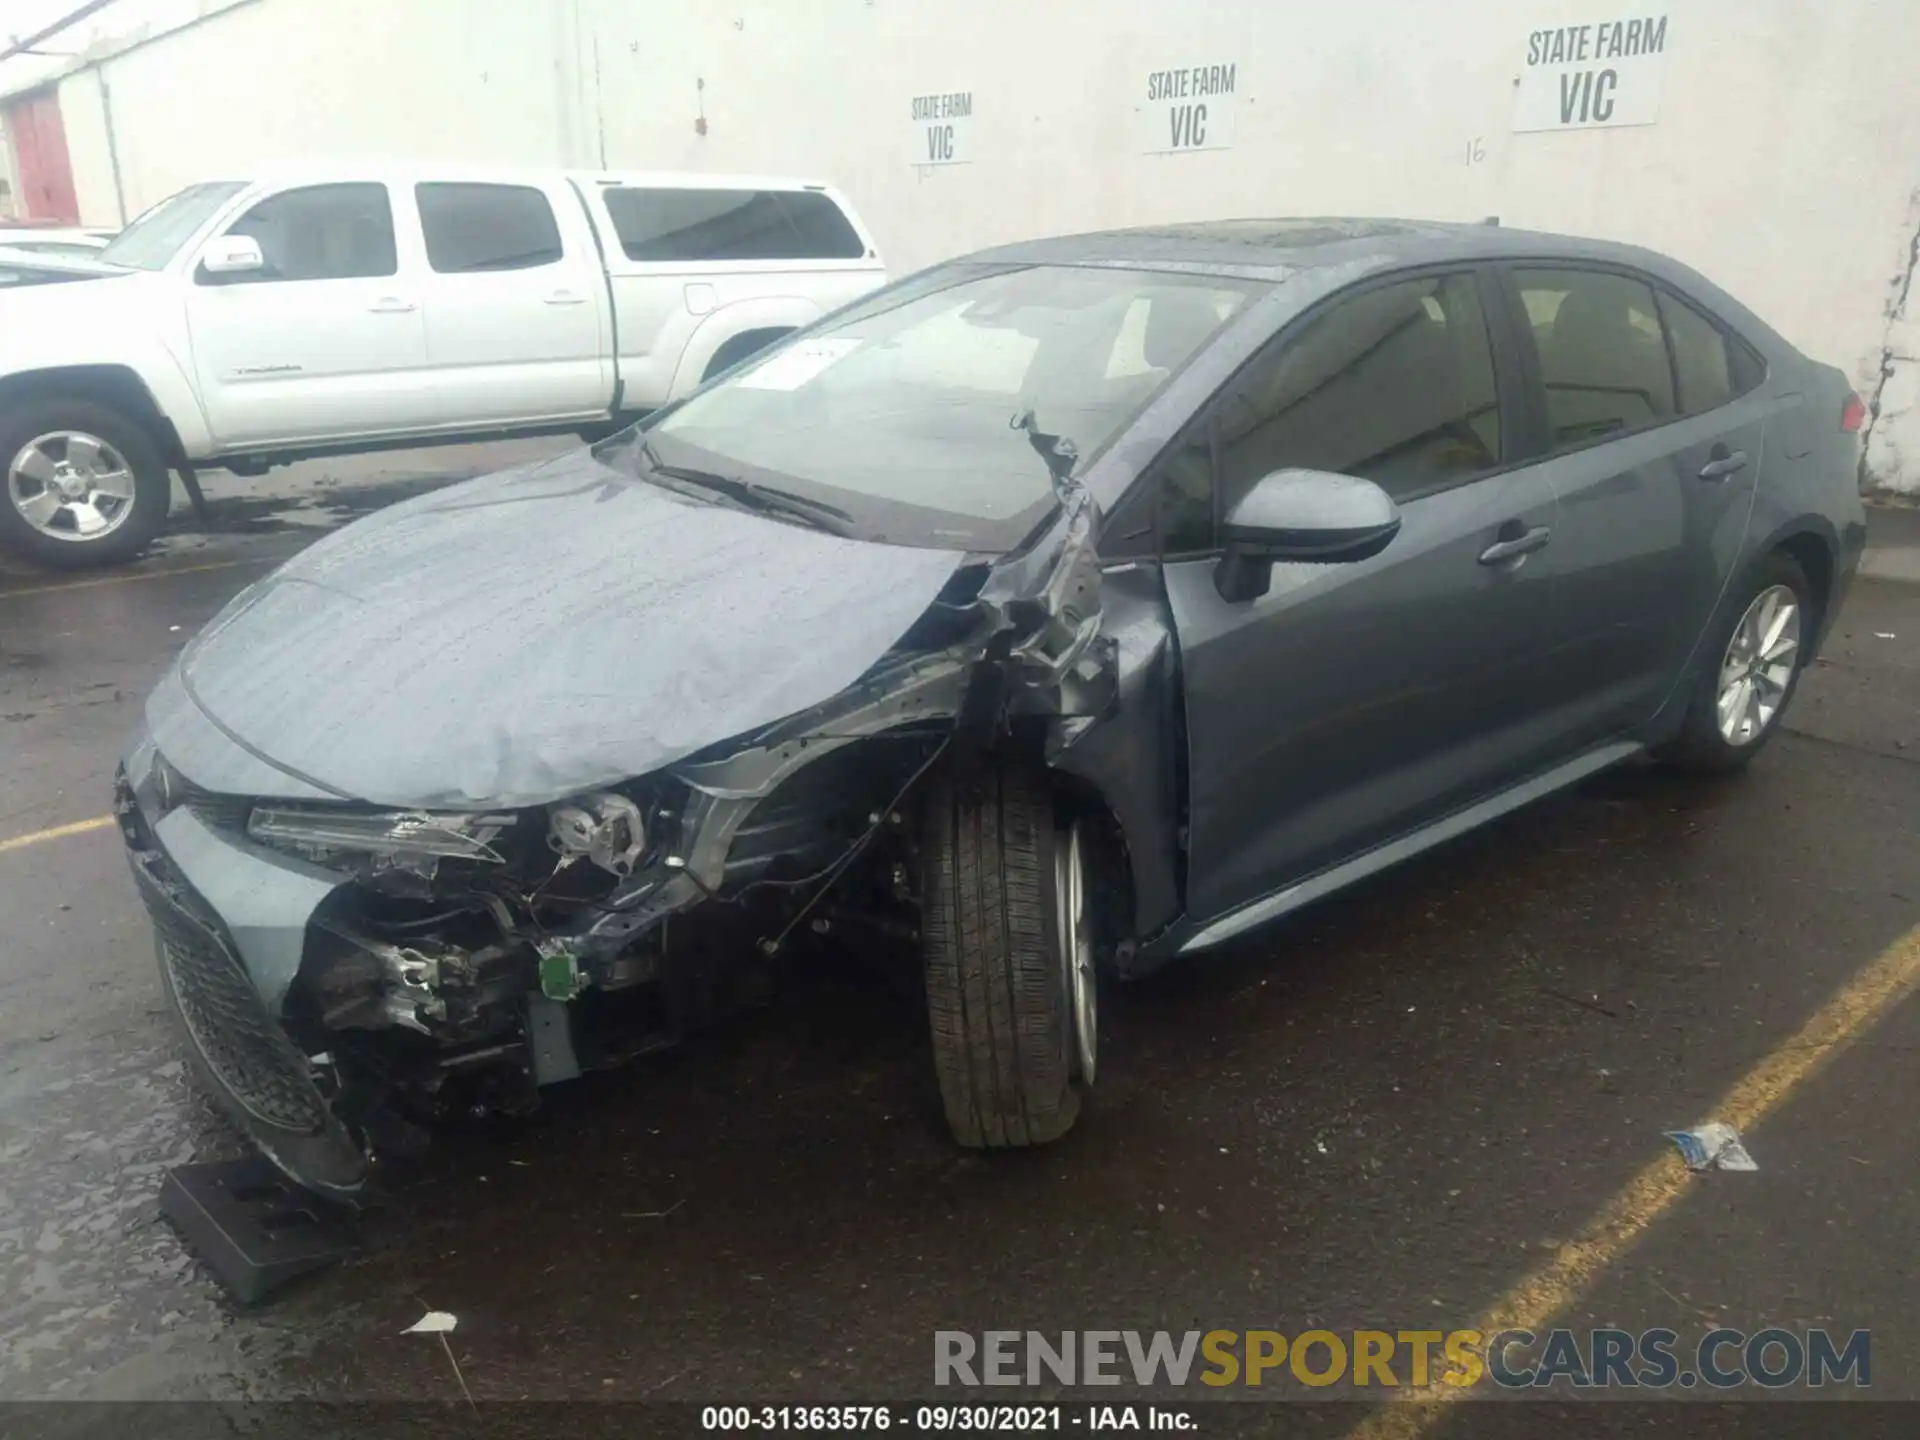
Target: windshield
x,y
906,411
153,239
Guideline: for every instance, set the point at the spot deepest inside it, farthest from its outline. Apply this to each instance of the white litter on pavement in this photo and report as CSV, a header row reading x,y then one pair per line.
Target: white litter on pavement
x,y
437,1323
1712,1145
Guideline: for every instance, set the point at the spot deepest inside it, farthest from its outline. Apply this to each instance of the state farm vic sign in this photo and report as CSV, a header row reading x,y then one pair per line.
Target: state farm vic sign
x,y
943,128
1189,107
1594,75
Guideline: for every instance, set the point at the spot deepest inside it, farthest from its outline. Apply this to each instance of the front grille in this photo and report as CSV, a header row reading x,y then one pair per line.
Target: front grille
x,y
248,1053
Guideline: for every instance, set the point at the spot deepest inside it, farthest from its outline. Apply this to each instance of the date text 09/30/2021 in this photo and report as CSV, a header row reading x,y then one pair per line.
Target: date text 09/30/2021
x,y
942,1418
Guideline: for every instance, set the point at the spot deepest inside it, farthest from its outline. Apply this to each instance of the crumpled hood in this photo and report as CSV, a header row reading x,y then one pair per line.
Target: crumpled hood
x,y
527,635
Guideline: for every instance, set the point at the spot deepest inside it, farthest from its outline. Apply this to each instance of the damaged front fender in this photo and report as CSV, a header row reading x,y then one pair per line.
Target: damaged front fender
x,y
1035,649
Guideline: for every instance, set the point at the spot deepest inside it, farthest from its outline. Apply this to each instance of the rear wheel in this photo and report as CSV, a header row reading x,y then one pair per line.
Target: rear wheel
x,y
1753,666
85,485
1009,956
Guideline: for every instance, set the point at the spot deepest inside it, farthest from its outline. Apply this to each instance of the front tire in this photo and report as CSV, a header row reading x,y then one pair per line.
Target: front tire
x,y
83,484
1004,939
1749,671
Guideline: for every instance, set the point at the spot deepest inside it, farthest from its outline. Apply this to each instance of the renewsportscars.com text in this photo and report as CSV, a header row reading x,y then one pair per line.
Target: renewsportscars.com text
x,y
1722,1359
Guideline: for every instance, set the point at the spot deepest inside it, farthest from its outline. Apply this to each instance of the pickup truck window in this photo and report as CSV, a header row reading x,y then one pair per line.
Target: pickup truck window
x,y
157,234
487,227
318,232
730,225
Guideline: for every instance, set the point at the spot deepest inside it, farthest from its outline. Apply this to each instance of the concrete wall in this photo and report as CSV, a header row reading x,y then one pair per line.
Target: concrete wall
x,y
1784,159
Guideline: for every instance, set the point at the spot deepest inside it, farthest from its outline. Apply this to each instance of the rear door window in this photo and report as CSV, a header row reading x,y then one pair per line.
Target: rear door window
x,y
1602,353
486,227
702,224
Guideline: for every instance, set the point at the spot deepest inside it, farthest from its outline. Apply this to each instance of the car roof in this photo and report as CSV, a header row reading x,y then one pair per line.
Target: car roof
x,y
1283,245
1278,247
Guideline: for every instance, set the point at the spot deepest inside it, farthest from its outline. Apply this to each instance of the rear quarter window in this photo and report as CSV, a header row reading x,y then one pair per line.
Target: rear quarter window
x,y
1711,365
704,224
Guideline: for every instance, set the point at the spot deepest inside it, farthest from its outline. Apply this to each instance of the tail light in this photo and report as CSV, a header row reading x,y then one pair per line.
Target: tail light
x,y
1853,415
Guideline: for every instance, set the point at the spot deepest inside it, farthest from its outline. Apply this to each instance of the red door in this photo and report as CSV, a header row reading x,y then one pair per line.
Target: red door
x,y
40,150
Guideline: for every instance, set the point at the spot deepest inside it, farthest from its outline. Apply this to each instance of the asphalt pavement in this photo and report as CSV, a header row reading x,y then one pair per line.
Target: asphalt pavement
x,y
1432,1102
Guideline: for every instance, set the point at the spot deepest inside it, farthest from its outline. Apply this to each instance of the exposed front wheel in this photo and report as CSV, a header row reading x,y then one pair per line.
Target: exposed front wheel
x,y
1009,956
84,485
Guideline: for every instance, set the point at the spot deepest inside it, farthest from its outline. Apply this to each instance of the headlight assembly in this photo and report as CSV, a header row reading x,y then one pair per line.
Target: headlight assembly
x,y
399,836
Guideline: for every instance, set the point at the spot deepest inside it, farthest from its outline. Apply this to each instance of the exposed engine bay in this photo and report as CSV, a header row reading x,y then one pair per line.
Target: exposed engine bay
x,y
475,956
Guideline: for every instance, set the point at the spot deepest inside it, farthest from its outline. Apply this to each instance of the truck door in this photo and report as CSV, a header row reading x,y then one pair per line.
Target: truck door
x,y
326,340
515,303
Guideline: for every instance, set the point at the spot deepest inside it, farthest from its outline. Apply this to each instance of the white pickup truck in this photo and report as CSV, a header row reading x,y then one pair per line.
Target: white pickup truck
x,y
255,322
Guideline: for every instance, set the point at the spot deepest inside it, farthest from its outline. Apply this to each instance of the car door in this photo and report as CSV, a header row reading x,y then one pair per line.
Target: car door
x,y
1354,701
1653,454
326,341
514,310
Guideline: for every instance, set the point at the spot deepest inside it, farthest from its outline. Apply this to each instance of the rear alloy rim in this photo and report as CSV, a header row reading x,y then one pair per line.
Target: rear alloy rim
x,y
1759,665
70,485
1076,946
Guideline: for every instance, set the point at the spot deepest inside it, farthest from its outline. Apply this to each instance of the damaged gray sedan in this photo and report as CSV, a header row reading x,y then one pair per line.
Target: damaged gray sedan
x,y
1036,619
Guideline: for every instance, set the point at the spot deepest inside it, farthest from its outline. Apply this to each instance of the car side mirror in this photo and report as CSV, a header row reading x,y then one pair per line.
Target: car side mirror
x,y
1311,516
232,255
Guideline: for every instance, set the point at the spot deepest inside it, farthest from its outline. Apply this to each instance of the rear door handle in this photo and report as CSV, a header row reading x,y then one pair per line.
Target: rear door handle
x,y
1722,462
1517,548
392,305
566,297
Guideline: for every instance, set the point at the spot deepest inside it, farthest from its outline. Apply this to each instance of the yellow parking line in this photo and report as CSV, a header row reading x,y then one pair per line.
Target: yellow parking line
x,y
143,575
58,832
1556,1286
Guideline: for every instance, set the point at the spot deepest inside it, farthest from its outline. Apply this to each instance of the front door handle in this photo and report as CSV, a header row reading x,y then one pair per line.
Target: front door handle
x,y
1518,548
566,297
392,305
1722,462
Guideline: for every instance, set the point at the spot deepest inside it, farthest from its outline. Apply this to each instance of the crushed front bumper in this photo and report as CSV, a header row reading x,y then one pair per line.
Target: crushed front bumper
x,y
243,1054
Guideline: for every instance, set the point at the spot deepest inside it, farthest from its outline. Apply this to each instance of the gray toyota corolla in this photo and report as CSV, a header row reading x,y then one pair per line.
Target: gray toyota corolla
x,y
1041,617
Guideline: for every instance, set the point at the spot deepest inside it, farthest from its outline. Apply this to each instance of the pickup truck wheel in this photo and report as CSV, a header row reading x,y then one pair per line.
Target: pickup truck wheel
x,y
1009,958
84,484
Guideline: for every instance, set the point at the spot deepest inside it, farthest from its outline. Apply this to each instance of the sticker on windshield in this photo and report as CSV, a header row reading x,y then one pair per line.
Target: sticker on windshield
x,y
794,367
